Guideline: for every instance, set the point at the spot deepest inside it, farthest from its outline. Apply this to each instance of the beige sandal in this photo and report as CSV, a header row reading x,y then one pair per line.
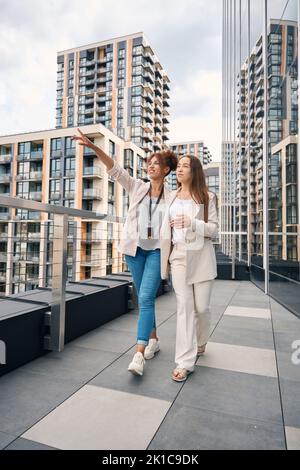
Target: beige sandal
x,y
182,374
201,350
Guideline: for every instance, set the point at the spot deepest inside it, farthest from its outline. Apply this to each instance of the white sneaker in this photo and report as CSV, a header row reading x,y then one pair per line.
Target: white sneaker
x,y
151,349
137,364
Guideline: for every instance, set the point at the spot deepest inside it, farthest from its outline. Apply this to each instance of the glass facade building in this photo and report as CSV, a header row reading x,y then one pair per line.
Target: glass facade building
x,y
260,153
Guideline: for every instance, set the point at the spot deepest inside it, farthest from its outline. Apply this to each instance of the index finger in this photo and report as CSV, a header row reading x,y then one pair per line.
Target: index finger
x,y
81,133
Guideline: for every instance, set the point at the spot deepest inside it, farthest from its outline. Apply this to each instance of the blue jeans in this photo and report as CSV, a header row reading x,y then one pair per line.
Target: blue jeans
x,y
145,270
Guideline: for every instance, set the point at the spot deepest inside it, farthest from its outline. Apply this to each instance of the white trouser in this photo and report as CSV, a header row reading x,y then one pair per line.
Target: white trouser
x,y
193,311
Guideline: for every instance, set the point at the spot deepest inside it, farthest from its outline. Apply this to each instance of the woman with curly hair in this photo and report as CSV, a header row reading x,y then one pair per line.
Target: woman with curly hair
x,y
141,242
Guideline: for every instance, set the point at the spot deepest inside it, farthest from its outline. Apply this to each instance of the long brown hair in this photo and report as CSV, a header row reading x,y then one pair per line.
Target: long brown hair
x,y
198,187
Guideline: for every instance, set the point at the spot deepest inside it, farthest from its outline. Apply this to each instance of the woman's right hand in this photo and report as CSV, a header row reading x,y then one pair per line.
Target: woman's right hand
x,y
84,140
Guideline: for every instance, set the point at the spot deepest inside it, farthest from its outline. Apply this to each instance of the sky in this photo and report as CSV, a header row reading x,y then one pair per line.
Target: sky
x,y
185,35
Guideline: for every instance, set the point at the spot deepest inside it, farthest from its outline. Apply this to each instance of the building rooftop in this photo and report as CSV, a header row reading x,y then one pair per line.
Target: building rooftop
x,y
244,393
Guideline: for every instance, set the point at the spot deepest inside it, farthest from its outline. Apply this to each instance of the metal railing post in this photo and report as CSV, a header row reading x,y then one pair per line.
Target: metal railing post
x,y
59,279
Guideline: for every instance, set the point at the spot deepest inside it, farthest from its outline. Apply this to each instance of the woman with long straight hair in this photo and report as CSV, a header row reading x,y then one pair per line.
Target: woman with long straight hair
x,y
140,241
190,222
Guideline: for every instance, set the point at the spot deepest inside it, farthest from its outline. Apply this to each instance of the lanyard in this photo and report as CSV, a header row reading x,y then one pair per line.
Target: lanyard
x,y
150,233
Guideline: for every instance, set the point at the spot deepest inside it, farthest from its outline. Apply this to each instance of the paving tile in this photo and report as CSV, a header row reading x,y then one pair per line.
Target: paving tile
x,y
290,397
239,359
263,313
104,340
250,301
25,444
190,428
5,439
286,368
78,364
285,341
243,337
253,324
98,418
156,381
244,395
25,398
127,322
292,438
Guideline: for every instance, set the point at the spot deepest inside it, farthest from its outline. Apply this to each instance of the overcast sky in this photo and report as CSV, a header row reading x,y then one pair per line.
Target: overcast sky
x,y
185,35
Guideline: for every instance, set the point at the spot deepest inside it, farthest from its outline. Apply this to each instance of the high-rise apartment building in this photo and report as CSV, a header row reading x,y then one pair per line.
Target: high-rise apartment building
x,y
119,83
47,166
260,174
281,143
195,148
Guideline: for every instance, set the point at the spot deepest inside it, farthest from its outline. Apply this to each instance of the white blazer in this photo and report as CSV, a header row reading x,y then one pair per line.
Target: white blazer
x,y
201,262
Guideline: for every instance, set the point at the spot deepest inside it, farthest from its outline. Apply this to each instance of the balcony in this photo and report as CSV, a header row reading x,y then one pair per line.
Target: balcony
x,y
36,175
5,178
33,235
5,158
35,195
93,172
69,194
91,193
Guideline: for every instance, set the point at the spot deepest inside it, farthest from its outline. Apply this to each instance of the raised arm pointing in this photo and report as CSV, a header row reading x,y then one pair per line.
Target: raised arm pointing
x,y
86,142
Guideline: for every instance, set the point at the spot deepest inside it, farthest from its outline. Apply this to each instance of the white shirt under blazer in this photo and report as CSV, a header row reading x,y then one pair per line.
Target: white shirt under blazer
x,y
201,262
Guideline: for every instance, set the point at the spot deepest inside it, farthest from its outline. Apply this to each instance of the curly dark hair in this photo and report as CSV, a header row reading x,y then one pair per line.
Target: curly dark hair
x,y
166,158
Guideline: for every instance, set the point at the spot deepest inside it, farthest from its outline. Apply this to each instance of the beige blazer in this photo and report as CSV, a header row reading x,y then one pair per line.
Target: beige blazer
x,y
137,189
200,254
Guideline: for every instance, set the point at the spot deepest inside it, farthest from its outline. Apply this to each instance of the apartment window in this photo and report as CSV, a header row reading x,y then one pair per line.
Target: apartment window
x,y
112,149
136,90
70,146
59,103
108,114
121,53
58,121
54,167
120,92
69,165
82,90
137,140
69,184
110,231
128,157
291,214
137,60
121,82
120,103
136,100
121,132
136,111
136,120
24,148
136,132
138,70
109,56
54,186
69,203
23,188
137,80
137,50
121,63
